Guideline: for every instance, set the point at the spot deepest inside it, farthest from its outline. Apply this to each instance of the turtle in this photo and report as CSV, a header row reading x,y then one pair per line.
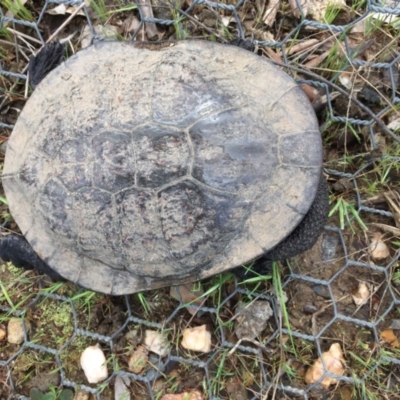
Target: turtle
x,y
135,166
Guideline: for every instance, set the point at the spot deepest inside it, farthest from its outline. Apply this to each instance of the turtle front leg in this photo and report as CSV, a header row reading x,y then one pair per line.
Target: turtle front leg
x,y
301,239
45,61
16,249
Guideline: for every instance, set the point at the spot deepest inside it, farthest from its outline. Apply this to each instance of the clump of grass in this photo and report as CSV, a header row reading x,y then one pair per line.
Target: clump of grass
x,y
347,213
16,8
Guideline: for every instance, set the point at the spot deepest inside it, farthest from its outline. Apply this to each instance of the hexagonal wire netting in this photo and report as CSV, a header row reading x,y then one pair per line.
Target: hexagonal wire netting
x,y
355,91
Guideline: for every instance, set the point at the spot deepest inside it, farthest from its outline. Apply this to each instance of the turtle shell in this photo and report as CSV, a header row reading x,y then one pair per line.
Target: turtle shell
x,y
136,167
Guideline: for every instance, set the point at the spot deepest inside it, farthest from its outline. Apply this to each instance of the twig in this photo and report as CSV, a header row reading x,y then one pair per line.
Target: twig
x,y
66,22
17,33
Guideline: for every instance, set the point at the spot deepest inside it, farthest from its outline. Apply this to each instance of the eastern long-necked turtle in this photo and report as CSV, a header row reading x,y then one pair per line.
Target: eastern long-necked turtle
x,y
136,167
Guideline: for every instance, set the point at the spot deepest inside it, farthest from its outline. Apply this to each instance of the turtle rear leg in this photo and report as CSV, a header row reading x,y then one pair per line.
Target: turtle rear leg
x,y
16,249
45,61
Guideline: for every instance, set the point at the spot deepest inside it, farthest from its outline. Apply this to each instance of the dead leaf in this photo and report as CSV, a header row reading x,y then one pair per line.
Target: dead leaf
x,y
333,361
388,228
388,336
190,294
361,295
377,248
197,339
62,9
394,125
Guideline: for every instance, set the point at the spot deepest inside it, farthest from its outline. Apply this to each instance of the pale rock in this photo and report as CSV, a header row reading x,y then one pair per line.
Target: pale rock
x,y
121,391
15,331
156,343
197,339
361,295
333,361
94,364
252,319
377,248
82,395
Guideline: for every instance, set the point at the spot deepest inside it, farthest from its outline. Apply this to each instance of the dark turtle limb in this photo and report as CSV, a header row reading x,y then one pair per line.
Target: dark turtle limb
x,y
45,61
301,239
16,249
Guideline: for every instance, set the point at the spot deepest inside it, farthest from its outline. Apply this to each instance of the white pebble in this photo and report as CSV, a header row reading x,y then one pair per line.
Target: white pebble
x,y
197,339
94,365
156,343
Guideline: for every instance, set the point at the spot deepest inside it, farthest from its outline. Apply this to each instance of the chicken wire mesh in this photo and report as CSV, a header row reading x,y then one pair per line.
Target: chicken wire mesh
x,y
349,70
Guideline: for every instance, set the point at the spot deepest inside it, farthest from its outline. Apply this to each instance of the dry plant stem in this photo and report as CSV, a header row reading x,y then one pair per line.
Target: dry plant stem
x,y
317,45
295,8
17,33
255,342
303,46
344,93
395,208
23,275
271,11
317,60
282,357
314,327
147,12
276,57
65,23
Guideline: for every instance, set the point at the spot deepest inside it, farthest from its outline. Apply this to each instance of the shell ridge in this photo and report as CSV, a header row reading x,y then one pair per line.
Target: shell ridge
x,y
279,98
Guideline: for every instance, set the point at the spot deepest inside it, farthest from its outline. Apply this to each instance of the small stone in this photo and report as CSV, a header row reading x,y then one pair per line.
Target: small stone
x,y
322,291
377,248
121,391
361,294
81,395
196,395
197,339
138,360
252,319
309,308
15,331
156,343
329,247
94,364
